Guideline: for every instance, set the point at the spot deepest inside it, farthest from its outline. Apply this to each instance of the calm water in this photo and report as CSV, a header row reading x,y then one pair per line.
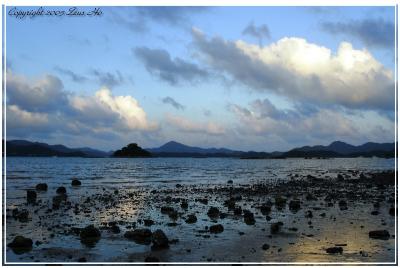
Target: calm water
x,y
23,173
107,174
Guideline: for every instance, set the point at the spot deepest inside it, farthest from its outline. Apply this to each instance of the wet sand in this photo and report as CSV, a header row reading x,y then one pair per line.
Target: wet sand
x,y
295,220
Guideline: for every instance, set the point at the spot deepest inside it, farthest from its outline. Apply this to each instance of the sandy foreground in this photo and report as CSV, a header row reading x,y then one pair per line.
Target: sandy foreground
x,y
301,219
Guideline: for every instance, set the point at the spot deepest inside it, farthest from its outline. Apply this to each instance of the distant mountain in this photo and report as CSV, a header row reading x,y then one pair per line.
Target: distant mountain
x,y
176,147
132,150
28,148
342,149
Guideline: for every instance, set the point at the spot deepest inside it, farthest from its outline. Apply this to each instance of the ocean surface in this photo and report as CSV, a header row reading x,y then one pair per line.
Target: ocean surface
x,y
25,172
101,177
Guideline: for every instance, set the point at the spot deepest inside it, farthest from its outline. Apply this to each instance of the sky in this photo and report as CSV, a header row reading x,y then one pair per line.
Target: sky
x,y
245,78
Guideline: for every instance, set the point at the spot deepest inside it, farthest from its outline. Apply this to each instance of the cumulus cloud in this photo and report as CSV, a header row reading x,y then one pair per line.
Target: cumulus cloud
x,y
373,32
160,64
41,94
37,108
259,32
303,71
174,103
187,125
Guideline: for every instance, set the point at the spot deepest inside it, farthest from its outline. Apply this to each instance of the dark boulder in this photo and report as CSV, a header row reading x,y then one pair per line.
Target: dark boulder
x,y
294,205
265,208
90,235
58,200
76,182
148,222
275,227
379,234
213,212
248,217
334,250
61,190
184,205
342,205
31,196
216,229
140,236
41,187
160,240
21,215
191,219
265,247
21,245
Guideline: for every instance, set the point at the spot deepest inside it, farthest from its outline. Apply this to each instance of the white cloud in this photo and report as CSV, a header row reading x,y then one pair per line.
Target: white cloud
x,y
35,107
303,71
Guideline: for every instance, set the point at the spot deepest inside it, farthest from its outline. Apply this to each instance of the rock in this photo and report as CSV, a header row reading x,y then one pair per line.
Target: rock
x,y
184,205
21,244
392,211
191,219
340,177
41,187
248,217
237,211
265,247
280,202
379,234
90,235
160,240
61,190
213,212
334,250
76,182
216,229
275,227
230,181
140,236
21,215
342,205
230,203
151,259
309,214
115,229
31,196
265,208
375,212
58,199
294,205
148,222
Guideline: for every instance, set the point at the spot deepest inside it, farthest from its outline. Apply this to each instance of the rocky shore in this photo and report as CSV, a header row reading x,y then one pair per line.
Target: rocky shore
x,y
347,218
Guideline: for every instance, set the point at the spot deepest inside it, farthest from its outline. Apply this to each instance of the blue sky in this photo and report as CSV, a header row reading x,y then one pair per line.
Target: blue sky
x,y
249,78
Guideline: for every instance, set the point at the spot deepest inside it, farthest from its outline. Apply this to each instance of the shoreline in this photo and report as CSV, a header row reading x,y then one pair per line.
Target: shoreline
x,y
303,231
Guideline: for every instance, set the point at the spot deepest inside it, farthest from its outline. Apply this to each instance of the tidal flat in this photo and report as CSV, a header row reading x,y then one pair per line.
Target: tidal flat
x,y
281,211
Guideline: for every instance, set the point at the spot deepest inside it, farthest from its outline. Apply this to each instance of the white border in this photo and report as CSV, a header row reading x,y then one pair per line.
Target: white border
x,y
192,3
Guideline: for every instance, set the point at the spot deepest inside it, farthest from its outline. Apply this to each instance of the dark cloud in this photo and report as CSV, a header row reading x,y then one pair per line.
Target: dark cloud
x,y
174,71
259,32
137,19
373,32
108,79
72,75
172,15
174,103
